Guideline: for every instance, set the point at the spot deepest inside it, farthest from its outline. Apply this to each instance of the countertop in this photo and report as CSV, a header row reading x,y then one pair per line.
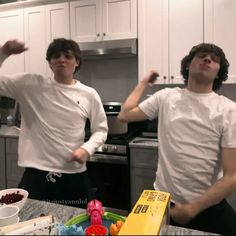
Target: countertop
x,y
9,131
34,208
142,142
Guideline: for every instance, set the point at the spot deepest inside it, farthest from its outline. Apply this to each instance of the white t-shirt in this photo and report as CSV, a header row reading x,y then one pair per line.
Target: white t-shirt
x,y
192,129
53,118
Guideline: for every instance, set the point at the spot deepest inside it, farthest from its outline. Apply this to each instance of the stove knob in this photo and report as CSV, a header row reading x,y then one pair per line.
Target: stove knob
x,y
114,148
104,148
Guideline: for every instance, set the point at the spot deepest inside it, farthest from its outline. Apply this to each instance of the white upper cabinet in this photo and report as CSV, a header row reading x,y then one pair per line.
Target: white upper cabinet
x,y
167,30
220,29
42,25
57,21
11,25
95,20
35,39
57,24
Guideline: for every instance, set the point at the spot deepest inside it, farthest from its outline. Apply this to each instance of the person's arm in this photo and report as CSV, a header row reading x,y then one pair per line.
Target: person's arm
x,y
130,110
11,47
225,186
99,130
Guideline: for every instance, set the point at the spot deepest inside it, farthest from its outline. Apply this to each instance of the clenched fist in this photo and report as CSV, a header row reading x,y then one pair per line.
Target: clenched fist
x,y
13,47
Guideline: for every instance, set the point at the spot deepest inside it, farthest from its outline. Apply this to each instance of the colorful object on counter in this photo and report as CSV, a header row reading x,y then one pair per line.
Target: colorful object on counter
x,y
96,230
71,230
115,227
83,220
95,212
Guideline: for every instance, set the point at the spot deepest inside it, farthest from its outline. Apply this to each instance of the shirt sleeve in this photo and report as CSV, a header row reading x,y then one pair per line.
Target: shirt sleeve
x,y
151,105
229,132
99,128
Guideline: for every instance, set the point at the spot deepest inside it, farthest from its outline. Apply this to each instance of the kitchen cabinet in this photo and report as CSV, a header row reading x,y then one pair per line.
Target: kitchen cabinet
x,y
11,24
2,164
232,200
167,30
96,20
52,21
14,173
220,28
143,166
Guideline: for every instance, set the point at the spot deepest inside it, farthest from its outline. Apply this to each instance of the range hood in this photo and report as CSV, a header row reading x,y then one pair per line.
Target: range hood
x,y
109,49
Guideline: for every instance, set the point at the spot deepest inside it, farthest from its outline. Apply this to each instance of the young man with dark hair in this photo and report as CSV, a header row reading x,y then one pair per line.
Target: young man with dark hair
x,y
197,141
53,118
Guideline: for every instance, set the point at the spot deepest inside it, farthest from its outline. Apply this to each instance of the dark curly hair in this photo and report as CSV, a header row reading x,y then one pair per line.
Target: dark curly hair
x,y
64,45
211,48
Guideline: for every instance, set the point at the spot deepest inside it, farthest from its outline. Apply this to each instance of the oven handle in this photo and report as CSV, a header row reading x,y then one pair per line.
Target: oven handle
x,y
105,158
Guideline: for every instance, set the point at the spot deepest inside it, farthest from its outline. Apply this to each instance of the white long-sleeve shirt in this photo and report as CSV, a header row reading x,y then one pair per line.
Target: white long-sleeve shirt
x,y
53,118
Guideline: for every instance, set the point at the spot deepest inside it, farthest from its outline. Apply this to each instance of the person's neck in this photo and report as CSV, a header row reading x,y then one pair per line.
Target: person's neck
x,y
199,87
64,80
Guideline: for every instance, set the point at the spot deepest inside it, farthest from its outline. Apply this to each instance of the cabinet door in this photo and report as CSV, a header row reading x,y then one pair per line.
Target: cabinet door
x,y
143,157
14,172
119,19
2,164
57,24
167,31
11,24
85,20
141,179
153,38
185,31
220,25
35,38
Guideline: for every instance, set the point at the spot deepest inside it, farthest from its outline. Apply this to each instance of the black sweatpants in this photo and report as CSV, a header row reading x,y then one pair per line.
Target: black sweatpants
x,y
220,219
67,189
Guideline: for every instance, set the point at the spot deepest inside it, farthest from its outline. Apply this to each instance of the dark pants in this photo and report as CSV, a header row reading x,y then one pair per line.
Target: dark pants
x,y
220,219
69,189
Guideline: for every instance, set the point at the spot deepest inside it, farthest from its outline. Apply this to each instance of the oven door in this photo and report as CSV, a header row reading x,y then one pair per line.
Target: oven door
x,y
109,175
108,158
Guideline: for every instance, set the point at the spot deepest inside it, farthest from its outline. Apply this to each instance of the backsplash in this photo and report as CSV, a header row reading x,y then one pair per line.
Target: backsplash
x,y
114,79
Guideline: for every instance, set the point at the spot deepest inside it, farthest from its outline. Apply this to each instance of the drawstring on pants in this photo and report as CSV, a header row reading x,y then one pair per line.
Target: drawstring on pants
x,y
50,178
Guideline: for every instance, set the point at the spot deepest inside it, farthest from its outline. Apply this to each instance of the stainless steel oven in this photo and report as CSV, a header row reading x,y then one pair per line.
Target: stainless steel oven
x,y
109,168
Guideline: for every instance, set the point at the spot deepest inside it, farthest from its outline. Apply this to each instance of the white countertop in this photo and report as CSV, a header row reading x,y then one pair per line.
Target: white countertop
x,y
144,143
9,131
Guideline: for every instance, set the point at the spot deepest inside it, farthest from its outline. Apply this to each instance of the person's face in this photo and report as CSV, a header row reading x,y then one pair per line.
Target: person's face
x,y
63,63
204,66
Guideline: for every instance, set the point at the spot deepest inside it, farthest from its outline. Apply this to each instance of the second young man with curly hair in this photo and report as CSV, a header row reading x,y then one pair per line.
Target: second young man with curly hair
x,y
197,141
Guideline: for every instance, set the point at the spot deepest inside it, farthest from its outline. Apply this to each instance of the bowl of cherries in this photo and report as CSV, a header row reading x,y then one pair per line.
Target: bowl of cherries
x,y
13,196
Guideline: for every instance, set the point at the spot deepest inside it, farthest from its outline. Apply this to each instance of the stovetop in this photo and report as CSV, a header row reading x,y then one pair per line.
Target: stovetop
x,y
122,139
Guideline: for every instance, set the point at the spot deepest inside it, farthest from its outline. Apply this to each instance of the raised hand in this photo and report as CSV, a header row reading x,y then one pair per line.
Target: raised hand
x,y
150,77
13,47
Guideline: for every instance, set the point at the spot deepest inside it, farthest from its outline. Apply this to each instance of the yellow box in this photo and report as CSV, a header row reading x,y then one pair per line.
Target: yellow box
x,y
148,215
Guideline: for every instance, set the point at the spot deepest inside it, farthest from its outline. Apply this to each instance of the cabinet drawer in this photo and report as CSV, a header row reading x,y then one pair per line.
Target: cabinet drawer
x,y
143,157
